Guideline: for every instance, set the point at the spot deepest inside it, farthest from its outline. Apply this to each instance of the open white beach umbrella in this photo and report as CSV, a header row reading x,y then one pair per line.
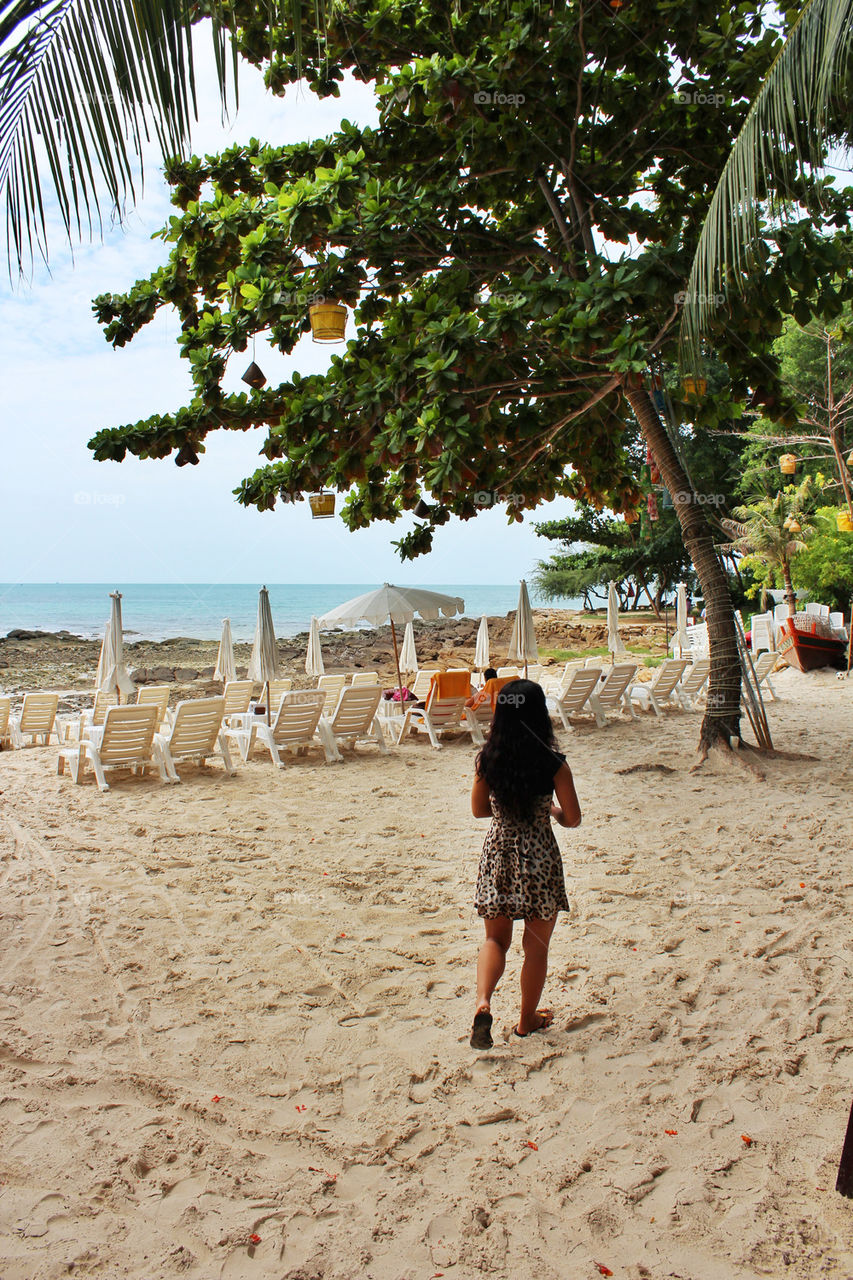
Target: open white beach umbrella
x,y
263,664
408,653
395,605
225,669
522,642
314,665
481,653
679,640
113,675
614,640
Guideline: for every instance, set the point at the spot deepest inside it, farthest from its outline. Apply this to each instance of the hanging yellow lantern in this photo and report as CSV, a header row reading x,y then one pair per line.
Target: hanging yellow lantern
x,y
788,464
328,321
693,388
794,525
322,505
843,522
850,459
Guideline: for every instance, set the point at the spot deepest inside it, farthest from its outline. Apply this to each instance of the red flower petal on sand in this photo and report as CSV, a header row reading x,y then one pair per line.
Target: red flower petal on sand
x,y
671,1132
216,1098
605,1271
533,1146
255,1239
802,886
744,1137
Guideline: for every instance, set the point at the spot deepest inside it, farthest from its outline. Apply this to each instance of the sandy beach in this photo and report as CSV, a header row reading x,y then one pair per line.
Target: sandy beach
x,y
235,1019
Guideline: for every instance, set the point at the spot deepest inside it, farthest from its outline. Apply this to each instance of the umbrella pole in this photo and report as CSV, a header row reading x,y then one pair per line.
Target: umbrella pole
x,y
397,663
267,699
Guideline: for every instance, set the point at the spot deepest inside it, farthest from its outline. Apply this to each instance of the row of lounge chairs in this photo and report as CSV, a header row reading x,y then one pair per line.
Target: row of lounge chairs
x,y
335,714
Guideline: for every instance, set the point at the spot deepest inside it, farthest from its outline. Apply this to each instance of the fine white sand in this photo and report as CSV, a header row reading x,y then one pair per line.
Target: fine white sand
x,y
235,1019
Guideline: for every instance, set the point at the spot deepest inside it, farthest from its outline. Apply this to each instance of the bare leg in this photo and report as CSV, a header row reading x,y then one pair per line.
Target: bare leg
x,y
491,961
534,970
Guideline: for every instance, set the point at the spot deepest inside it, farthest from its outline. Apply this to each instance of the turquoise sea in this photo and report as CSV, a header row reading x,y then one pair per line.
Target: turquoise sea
x,y
160,611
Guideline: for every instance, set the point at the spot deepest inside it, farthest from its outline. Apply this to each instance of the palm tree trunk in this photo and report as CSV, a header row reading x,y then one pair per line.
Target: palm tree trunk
x,y
721,721
790,595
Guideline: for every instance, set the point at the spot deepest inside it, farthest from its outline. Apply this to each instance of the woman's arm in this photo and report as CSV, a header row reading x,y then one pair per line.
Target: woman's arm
x,y
481,805
568,811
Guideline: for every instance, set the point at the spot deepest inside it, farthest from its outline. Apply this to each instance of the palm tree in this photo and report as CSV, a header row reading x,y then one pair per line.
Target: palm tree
x,y
802,105
774,531
81,84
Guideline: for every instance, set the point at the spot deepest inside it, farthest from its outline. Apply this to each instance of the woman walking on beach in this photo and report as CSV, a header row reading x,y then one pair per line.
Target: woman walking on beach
x,y
521,873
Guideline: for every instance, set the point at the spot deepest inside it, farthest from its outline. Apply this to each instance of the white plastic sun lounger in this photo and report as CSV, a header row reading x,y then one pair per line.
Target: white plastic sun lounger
x,y
763,667
692,684
196,734
355,719
125,742
572,698
36,719
278,688
5,712
237,695
361,679
442,715
657,694
612,695
155,695
296,727
333,687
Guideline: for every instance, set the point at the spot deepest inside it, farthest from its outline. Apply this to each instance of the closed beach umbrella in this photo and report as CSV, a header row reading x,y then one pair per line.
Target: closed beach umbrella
x,y
396,605
225,669
314,665
481,653
263,664
408,653
522,643
614,640
113,675
679,640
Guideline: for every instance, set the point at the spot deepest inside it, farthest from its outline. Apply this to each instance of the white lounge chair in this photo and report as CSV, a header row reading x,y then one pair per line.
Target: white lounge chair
x,y
154,695
277,690
355,718
511,672
364,678
333,687
5,712
237,695
126,741
196,734
443,713
763,667
423,679
836,621
762,632
296,726
657,694
612,694
572,698
692,685
36,719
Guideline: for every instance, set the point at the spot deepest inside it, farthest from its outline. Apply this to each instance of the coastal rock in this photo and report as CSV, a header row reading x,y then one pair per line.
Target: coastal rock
x,y
161,674
185,674
140,675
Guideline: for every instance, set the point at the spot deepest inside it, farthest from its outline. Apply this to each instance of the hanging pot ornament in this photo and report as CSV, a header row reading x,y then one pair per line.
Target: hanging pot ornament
x,y
652,507
654,473
255,377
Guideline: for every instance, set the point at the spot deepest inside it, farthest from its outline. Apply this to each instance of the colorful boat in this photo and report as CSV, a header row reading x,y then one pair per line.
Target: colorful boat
x,y
807,642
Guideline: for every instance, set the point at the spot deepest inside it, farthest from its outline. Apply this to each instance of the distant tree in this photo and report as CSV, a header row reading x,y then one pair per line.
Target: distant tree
x,y
770,532
816,362
825,566
600,548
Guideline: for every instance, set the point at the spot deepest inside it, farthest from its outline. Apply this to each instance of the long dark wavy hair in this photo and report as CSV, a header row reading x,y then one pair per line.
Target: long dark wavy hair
x,y
521,748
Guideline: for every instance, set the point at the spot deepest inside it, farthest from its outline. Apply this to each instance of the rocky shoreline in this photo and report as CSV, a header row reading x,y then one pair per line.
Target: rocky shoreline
x,y
31,660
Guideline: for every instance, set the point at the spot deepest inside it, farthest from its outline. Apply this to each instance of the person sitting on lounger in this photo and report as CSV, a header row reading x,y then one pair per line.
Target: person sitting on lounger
x,y
490,689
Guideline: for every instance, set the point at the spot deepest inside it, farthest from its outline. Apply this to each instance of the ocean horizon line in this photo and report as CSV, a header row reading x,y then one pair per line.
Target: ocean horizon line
x,y
157,611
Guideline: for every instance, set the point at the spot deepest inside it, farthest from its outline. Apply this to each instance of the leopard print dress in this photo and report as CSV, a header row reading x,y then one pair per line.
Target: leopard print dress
x,y
521,872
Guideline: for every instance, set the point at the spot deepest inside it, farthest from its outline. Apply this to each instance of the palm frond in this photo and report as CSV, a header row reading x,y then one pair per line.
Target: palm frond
x,y
80,83
783,137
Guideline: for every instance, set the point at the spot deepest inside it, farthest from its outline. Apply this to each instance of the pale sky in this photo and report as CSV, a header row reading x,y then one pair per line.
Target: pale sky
x,y
67,518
